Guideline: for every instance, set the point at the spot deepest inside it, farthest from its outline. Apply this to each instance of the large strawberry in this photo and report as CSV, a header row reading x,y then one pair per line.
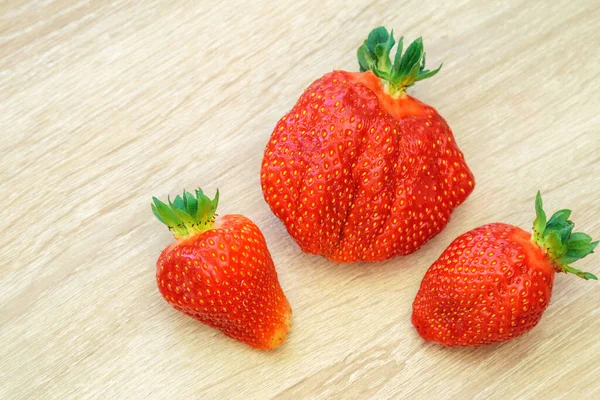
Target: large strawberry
x,y
493,283
358,169
220,272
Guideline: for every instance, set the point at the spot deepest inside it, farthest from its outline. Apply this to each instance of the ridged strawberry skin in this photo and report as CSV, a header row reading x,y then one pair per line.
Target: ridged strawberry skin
x,y
225,278
490,285
357,175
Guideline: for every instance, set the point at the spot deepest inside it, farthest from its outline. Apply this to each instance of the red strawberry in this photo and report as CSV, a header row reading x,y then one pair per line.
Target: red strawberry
x,y
493,283
358,169
220,272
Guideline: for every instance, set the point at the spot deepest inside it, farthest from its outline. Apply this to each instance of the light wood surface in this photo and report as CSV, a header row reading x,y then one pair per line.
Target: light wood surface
x,y
104,104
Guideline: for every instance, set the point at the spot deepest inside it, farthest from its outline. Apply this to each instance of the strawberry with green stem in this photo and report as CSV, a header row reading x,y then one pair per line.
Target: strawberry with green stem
x,y
494,282
359,169
220,272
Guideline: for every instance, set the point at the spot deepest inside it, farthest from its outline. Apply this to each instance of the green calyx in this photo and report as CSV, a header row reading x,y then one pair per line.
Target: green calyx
x,y
407,68
556,237
187,215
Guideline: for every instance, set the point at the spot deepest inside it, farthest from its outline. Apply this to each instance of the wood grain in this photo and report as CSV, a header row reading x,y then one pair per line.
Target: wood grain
x,y
104,104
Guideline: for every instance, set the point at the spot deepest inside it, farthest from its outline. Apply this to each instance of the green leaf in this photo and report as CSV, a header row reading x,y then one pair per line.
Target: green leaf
x,y
412,75
215,201
428,74
382,74
187,214
382,52
157,214
177,208
377,36
580,237
365,60
407,68
565,231
398,57
554,244
581,246
413,55
166,214
191,204
185,218
579,273
204,205
178,203
567,259
383,59
385,47
556,236
574,254
560,216
539,224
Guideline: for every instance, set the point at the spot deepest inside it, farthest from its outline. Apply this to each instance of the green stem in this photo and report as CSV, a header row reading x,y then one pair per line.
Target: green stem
x,y
187,215
407,68
556,237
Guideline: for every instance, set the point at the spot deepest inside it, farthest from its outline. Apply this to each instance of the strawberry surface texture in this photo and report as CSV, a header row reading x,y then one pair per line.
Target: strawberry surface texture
x,y
220,272
360,170
493,283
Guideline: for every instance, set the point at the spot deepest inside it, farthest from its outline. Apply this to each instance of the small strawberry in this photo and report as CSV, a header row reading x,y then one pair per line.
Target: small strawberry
x,y
358,169
493,283
220,272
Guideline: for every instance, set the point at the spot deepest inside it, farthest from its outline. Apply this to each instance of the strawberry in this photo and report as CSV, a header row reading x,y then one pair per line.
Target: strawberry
x,y
358,169
220,272
493,283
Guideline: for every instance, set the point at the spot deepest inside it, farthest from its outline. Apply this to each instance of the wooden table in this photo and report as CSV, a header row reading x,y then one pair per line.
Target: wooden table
x,y
104,104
